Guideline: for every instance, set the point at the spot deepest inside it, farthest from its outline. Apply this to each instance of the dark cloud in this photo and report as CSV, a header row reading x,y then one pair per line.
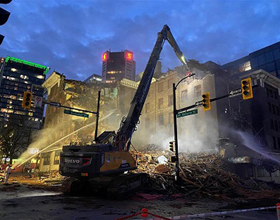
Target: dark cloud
x,y
70,36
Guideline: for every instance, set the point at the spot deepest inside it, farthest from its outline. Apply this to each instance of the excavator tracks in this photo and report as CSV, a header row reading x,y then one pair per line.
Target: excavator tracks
x,y
116,188
126,185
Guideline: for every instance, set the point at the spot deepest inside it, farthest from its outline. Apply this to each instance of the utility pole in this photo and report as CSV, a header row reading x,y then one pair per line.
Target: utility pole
x,y
175,135
97,116
177,165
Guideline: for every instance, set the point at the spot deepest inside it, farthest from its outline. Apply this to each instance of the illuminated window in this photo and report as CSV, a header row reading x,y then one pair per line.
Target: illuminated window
x,y
40,76
13,69
24,77
245,66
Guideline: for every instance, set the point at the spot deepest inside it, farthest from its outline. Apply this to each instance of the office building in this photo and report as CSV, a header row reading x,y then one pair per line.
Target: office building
x,y
267,58
118,65
17,76
94,78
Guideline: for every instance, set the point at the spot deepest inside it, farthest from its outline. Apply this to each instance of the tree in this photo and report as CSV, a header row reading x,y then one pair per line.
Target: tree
x,y
13,140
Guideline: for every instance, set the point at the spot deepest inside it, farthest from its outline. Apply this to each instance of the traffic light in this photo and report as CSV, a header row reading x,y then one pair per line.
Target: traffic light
x,y
206,101
246,88
171,146
173,159
27,98
4,15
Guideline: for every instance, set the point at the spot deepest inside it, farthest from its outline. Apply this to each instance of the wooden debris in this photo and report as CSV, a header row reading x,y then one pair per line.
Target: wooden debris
x,y
202,174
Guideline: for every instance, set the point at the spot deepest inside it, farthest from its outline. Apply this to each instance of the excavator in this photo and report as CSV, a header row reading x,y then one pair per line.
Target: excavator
x,y
106,162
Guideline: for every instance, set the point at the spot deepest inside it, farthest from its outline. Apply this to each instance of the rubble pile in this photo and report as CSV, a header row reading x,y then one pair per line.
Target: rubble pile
x,y
201,174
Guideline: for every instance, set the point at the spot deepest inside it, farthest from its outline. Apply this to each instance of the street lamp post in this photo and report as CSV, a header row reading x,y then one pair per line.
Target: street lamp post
x,y
175,127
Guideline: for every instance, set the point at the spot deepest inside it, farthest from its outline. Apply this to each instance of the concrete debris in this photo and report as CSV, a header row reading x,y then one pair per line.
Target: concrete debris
x,y
162,160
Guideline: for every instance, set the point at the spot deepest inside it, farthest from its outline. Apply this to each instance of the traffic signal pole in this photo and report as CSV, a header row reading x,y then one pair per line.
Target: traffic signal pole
x,y
175,135
97,116
177,164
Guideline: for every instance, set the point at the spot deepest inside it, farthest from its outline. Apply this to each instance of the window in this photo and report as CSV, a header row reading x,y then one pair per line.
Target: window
x,y
170,118
170,100
147,107
170,83
47,158
269,57
147,123
250,172
271,124
160,103
161,119
262,172
276,54
278,141
274,142
261,59
276,125
184,95
56,157
160,87
269,106
245,66
254,62
197,91
275,95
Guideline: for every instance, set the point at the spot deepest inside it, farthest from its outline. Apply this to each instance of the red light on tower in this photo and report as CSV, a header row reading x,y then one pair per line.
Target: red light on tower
x,y
129,56
104,57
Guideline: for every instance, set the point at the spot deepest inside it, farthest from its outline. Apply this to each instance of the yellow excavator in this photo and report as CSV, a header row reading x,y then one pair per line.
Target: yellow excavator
x,y
104,163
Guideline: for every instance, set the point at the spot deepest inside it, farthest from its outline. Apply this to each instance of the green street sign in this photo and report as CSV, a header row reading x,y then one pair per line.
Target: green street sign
x,y
76,113
186,113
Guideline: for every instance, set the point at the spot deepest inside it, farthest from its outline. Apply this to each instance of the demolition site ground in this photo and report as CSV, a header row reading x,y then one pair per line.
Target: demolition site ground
x,y
205,188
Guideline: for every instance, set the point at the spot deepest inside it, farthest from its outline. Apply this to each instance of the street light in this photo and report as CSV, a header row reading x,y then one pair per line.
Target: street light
x,y
175,127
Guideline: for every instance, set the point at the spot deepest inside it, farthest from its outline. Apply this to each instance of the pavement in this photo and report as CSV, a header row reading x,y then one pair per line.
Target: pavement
x,y
28,199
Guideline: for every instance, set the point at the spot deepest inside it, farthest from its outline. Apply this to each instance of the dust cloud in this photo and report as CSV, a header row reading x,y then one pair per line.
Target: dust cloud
x,y
196,133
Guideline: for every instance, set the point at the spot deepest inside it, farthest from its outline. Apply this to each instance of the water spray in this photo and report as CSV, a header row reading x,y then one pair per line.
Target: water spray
x,y
61,139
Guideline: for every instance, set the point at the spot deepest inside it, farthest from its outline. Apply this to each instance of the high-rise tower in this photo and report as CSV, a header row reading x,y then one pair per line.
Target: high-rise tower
x,y
118,65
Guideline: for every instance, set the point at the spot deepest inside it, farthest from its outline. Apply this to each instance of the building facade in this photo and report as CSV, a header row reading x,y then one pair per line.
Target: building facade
x,y
156,118
118,65
267,58
17,76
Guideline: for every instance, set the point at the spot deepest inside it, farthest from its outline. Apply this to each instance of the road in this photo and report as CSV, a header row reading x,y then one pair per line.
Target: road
x,y
25,202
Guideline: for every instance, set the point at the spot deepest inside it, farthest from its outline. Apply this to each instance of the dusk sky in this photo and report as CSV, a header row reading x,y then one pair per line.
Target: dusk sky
x,y
70,36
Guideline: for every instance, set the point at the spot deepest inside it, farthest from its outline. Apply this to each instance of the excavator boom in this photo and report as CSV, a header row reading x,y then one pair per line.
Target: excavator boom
x,y
124,134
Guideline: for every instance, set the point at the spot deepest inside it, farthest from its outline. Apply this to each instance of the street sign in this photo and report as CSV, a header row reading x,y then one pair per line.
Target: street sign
x,y
186,113
76,113
38,101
